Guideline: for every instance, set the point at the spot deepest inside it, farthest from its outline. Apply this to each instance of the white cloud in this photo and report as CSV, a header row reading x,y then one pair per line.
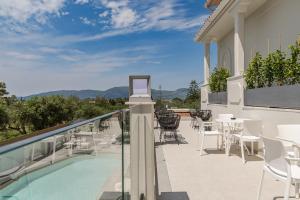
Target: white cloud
x,y
125,17
22,56
22,10
65,13
86,21
104,14
63,67
122,16
81,1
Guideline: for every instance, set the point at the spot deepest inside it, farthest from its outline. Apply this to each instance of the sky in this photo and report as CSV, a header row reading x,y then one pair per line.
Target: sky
x,y
48,45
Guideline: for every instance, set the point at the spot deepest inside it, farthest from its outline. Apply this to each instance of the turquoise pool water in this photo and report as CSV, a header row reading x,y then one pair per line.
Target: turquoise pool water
x,y
78,178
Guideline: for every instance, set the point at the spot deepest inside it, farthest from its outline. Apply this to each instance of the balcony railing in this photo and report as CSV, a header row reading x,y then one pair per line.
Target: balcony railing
x,y
86,160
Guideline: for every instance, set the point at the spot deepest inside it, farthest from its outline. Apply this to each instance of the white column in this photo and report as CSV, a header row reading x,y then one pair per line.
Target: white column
x,y
206,62
239,62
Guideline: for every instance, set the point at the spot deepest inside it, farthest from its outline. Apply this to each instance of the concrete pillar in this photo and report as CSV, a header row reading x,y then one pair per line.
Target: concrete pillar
x,y
206,62
239,49
142,151
142,161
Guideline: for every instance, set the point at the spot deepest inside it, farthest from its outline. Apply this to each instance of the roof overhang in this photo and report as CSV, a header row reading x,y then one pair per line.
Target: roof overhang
x,y
221,22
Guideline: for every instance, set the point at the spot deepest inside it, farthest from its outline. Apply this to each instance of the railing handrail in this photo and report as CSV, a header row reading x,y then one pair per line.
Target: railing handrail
x,y
28,141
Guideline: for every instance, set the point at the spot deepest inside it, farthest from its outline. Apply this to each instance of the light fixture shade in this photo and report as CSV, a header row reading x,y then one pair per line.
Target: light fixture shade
x,y
139,87
212,4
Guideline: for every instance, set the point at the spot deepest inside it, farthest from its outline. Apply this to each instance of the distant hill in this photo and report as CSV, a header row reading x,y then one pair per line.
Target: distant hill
x,y
112,93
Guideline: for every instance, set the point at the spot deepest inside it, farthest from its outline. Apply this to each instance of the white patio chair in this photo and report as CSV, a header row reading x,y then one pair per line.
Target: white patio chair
x,y
250,132
224,128
289,134
208,129
280,166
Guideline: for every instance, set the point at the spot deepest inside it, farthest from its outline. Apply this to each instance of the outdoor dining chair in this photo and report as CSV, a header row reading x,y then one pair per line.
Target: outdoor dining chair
x,y
249,132
289,134
207,129
169,124
280,166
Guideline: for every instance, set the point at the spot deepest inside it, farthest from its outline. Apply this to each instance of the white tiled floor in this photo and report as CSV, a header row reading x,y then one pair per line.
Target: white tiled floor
x,y
215,176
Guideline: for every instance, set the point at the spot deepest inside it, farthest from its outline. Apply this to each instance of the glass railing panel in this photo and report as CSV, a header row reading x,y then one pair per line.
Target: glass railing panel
x,y
126,154
80,161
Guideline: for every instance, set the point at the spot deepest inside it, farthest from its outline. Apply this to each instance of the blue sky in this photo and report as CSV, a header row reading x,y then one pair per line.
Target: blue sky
x,y
95,44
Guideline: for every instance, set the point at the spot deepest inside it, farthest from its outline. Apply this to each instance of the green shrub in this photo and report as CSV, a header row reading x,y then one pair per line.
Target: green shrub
x,y
218,79
267,71
278,63
275,69
292,71
4,118
254,76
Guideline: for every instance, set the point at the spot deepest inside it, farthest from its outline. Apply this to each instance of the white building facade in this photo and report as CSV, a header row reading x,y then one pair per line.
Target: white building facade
x,y
241,28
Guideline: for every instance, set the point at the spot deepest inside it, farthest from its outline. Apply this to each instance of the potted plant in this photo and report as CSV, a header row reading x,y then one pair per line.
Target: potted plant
x,y
218,86
274,81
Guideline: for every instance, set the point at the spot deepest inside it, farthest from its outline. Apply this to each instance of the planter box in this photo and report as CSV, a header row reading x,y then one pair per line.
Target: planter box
x,y
217,98
287,96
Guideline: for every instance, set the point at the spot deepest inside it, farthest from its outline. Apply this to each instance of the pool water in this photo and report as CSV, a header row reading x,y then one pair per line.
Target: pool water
x,y
78,178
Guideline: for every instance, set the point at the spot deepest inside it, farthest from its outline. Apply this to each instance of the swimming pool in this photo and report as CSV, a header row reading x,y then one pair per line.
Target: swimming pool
x,y
78,178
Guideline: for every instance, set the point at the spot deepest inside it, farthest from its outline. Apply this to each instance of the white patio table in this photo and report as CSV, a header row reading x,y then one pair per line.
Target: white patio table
x,y
230,126
87,134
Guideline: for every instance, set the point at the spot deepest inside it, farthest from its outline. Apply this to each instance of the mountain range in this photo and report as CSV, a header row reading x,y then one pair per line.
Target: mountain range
x,y
112,93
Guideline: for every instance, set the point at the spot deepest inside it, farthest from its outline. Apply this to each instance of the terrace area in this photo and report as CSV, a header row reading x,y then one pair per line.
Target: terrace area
x,y
102,170
214,175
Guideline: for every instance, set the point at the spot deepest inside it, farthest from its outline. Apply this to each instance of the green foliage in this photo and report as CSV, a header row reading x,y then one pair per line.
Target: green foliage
x,y
278,63
275,69
193,93
22,117
218,79
3,89
47,111
3,117
89,111
292,73
192,99
267,71
254,76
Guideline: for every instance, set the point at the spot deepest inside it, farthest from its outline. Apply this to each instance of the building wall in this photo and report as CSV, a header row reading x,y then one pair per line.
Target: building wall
x,y
226,52
278,22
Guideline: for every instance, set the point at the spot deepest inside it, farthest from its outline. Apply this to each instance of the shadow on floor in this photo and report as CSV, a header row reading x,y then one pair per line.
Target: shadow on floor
x,y
114,196
212,151
281,197
173,196
234,152
170,139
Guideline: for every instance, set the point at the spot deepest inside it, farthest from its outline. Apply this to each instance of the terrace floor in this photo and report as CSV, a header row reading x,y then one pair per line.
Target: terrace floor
x,y
184,174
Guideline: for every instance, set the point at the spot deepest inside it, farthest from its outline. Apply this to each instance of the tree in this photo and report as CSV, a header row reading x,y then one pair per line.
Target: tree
x,y
20,117
49,111
89,111
3,118
3,90
193,93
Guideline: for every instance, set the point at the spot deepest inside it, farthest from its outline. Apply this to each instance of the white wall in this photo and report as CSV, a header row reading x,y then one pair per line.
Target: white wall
x,y
226,52
278,21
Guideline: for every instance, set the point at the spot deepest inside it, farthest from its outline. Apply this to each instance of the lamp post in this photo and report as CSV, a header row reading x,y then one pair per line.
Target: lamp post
x,y
141,138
